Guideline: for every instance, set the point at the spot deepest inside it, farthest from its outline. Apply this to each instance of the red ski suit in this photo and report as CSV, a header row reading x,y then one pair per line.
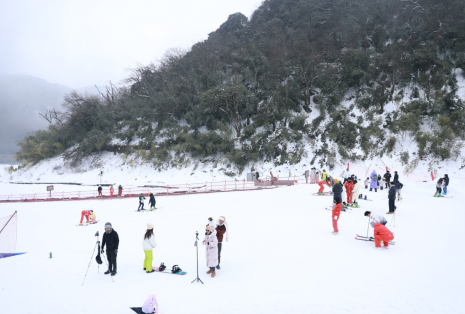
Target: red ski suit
x,y
382,234
349,185
85,213
335,216
322,188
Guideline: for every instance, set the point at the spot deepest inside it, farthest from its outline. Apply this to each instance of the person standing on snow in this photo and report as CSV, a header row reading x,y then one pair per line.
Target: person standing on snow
x,y
152,201
387,179
396,176
141,202
399,187
446,184
374,181
148,244
367,181
324,177
99,189
337,199
120,190
382,234
349,185
355,194
111,191
392,199
87,214
221,233
211,249
379,180
111,239
345,175
375,218
439,186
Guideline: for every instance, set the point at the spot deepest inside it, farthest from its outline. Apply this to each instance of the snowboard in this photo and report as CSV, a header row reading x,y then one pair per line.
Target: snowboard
x,y
363,238
444,196
87,224
166,271
362,199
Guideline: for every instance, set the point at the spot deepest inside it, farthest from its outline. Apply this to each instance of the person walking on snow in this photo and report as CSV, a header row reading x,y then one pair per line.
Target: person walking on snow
x,y
211,249
382,234
392,199
387,179
375,218
355,192
111,239
111,191
221,233
349,185
152,201
324,177
148,244
337,199
399,187
439,186
120,190
446,184
99,189
141,202
374,181
87,214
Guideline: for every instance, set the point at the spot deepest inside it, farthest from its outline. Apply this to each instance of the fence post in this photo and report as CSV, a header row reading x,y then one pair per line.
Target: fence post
x,y
266,179
225,185
62,196
243,188
206,187
79,195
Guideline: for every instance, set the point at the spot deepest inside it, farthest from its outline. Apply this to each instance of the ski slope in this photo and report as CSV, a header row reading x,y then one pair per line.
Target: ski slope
x,y
281,258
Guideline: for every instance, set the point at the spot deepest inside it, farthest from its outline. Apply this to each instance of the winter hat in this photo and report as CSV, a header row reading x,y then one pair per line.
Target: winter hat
x,y
210,221
108,225
210,228
367,213
149,226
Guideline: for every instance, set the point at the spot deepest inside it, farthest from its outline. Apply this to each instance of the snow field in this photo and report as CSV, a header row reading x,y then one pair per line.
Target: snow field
x,y
281,258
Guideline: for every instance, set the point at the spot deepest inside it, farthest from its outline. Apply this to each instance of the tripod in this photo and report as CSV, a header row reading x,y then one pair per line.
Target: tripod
x,y
97,245
197,248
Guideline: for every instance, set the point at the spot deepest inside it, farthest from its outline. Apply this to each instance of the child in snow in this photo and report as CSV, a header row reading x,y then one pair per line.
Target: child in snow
x,y
111,191
93,218
141,202
439,186
355,192
211,249
382,234
152,201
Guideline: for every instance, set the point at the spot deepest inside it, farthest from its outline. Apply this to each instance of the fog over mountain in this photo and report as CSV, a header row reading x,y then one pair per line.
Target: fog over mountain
x,y
22,98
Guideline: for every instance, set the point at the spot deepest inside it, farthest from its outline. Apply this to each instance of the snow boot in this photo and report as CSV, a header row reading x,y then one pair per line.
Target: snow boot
x,y
371,189
390,213
80,224
113,273
218,266
386,247
378,248
149,272
366,198
213,274
335,233
107,272
319,193
440,195
436,195
376,190
355,205
209,271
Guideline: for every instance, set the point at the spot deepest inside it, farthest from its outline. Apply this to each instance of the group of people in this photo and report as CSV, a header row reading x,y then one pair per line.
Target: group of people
x,y
351,186
100,191
441,186
215,233
152,202
376,179
91,218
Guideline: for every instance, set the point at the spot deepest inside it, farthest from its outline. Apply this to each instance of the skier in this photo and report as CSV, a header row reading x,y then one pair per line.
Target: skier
x,y
211,249
446,184
382,234
387,179
111,239
349,185
355,194
141,202
337,199
120,190
392,199
111,191
99,189
87,214
367,181
148,244
375,218
396,176
374,181
345,175
439,186
324,177
399,187
221,233
152,201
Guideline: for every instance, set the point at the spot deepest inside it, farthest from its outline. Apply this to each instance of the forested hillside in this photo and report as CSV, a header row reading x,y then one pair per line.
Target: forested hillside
x,y
301,78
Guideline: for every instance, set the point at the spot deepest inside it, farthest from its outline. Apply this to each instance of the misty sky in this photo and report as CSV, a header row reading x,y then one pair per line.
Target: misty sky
x,y
87,42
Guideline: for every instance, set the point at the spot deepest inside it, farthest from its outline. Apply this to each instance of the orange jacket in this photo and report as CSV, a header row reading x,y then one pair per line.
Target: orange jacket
x,y
382,233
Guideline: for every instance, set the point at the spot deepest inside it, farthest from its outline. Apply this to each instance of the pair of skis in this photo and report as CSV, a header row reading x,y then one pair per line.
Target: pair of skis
x,y
362,238
87,224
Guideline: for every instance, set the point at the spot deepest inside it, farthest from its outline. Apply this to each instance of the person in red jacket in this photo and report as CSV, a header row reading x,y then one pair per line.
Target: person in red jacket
x,y
382,234
349,185
322,188
87,214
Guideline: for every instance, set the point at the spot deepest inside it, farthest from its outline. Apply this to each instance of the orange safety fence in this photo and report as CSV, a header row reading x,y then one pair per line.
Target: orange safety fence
x,y
162,190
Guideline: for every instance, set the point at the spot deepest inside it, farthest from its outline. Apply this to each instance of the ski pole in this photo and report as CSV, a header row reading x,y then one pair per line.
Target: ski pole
x,y
368,227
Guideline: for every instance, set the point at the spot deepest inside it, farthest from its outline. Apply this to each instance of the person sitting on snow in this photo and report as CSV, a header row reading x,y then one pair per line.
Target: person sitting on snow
x,y
382,234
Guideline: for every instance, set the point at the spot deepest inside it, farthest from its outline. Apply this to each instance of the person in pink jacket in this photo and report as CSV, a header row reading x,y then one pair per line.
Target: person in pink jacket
x,y
211,244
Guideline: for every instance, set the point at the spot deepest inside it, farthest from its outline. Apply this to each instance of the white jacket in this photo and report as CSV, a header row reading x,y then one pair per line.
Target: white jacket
x,y
377,218
356,190
149,244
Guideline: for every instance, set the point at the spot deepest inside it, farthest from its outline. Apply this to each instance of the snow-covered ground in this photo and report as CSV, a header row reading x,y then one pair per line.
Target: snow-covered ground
x,y
281,258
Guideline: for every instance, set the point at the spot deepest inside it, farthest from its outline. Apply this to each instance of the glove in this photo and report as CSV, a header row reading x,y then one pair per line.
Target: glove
x,y
116,251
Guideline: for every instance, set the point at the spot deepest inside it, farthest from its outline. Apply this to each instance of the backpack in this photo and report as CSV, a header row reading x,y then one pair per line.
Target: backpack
x,y
150,305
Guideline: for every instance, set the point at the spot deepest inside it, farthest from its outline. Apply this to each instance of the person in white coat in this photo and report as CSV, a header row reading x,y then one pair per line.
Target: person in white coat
x,y
211,249
356,192
375,218
148,244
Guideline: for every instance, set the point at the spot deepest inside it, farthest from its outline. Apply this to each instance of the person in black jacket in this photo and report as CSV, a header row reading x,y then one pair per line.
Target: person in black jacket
x,y
99,190
387,179
399,187
111,239
396,176
392,199
152,201
446,184
120,190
